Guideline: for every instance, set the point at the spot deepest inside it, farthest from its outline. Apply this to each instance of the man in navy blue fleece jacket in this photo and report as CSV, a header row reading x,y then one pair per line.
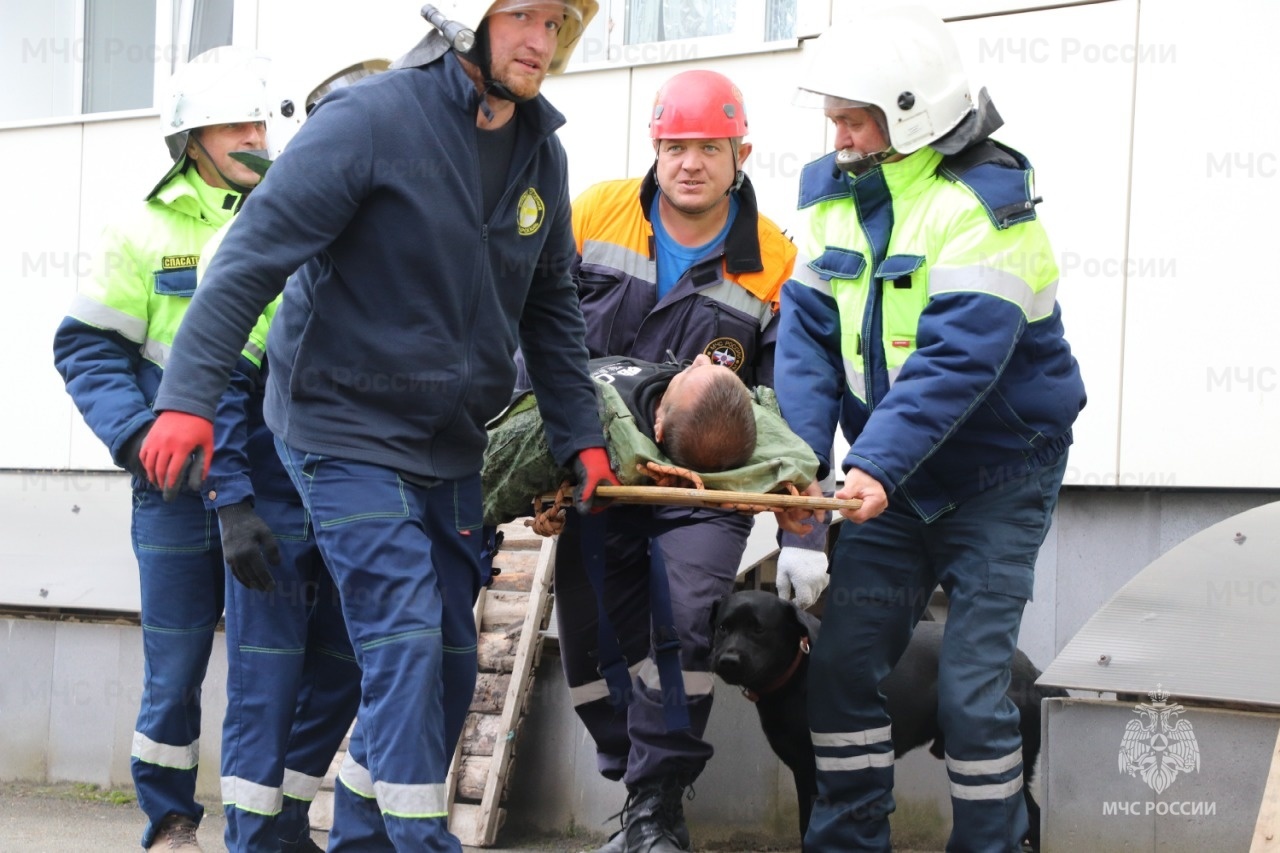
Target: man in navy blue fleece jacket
x,y
421,219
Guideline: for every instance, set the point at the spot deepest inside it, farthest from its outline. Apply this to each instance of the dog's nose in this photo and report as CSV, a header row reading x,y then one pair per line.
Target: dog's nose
x,y
729,667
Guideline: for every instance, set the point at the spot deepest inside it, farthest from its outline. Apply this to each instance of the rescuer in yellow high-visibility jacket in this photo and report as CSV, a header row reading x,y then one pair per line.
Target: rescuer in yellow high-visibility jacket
x,y
922,317
112,350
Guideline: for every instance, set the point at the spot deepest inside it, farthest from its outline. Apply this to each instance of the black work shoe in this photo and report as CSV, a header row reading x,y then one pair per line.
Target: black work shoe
x,y
654,821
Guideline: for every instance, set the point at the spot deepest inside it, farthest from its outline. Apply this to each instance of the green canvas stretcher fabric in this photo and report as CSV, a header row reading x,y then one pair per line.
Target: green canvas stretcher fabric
x,y
518,463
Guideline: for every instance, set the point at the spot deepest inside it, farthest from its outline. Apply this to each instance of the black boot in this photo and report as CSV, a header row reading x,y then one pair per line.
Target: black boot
x,y
617,842
654,819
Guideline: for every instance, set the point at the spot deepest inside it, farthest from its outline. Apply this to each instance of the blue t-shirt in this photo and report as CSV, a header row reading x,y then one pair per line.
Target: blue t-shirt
x,y
674,259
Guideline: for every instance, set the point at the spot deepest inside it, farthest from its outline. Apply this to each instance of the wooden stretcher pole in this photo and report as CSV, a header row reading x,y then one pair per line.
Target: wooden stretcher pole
x,y
669,496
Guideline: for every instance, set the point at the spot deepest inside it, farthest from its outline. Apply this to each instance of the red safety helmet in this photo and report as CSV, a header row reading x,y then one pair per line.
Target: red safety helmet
x,y
698,105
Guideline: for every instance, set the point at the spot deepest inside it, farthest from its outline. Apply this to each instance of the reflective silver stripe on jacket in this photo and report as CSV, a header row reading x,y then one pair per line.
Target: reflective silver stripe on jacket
x,y
605,254
1006,285
857,380
96,314
156,352
737,297
804,274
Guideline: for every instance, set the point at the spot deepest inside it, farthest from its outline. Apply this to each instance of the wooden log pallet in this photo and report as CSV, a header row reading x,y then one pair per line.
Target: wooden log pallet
x,y
510,616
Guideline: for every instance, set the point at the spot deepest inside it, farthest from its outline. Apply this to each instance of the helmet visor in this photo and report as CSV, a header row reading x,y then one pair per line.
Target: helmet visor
x,y
572,14
809,99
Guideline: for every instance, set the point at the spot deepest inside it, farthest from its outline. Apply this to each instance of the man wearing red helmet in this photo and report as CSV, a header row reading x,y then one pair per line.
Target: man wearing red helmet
x,y
678,264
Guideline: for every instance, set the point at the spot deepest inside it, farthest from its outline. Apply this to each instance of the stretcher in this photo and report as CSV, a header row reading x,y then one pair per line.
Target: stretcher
x,y
548,508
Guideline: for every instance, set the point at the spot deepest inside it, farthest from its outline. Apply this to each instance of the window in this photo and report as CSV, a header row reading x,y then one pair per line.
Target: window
x,y
76,57
664,20
199,25
120,56
631,32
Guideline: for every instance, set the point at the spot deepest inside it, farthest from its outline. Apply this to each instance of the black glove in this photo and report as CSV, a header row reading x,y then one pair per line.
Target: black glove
x,y
129,455
245,538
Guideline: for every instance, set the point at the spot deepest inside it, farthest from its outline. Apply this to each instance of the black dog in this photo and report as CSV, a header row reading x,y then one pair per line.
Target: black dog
x,y
761,644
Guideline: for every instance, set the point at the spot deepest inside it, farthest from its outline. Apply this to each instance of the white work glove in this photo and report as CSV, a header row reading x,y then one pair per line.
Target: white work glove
x,y
805,572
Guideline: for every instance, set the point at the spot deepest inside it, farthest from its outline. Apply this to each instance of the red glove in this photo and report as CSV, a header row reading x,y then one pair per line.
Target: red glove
x,y
591,468
177,452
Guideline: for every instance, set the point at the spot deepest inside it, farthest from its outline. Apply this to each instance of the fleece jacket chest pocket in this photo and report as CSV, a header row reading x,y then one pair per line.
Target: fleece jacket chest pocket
x,y
179,282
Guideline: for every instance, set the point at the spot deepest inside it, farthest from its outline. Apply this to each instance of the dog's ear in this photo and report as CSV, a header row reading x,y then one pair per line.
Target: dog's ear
x,y
715,609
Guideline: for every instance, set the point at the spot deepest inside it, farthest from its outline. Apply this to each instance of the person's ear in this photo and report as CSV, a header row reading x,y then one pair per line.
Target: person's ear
x,y
744,151
657,426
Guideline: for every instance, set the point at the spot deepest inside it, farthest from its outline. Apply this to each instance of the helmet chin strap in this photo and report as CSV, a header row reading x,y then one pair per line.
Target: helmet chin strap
x,y
482,58
851,161
738,175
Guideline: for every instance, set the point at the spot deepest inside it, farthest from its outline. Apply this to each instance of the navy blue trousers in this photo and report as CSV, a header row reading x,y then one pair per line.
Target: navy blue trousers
x,y
702,549
181,573
406,559
883,572
292,689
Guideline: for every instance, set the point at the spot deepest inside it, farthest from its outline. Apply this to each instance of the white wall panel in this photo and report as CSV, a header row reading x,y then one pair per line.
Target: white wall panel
x,y
600,131
1202,366
951,9
39,256
64,541
311,40
120,162
784,137
1071,116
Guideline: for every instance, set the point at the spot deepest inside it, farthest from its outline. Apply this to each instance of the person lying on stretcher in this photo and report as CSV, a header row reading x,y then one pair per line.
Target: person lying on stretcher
x,y
666,424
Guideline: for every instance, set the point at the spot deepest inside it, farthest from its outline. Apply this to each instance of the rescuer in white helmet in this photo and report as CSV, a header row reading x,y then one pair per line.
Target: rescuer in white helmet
x,y
923,318
112,350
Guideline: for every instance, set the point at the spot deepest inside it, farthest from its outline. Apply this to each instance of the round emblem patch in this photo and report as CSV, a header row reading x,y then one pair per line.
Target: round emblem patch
x,y
726,352
530,211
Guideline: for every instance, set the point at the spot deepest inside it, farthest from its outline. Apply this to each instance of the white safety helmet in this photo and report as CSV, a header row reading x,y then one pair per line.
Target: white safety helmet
x,y
295,102
901,60
224,85
470,13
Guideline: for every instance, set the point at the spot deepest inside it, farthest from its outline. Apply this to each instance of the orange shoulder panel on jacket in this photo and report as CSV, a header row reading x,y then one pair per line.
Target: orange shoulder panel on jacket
x,y
610,212
778,256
